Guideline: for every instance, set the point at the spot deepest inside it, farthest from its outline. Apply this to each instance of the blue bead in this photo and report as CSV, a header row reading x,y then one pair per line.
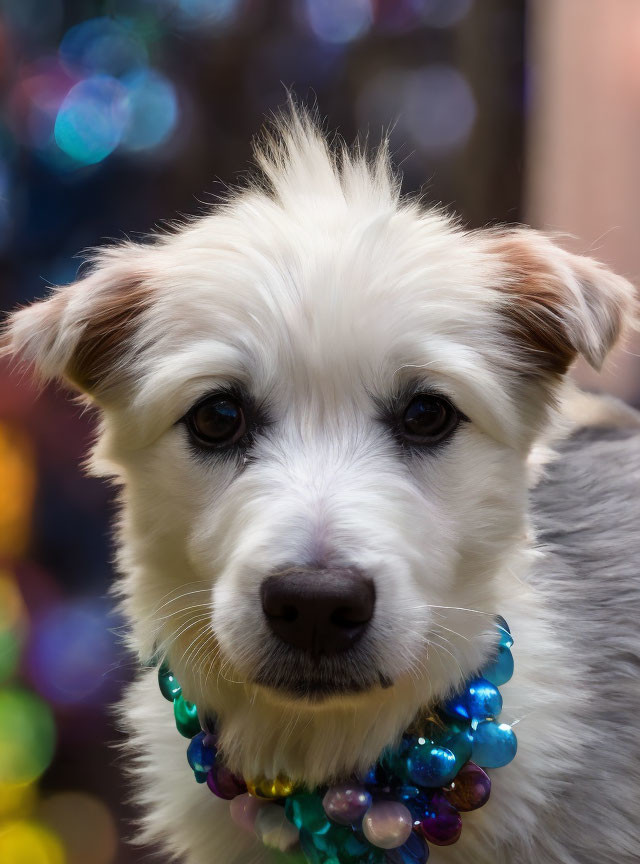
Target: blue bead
x,y
483,699
406,793
430,765
500,669
479,700
200,757
371,777
494,744
456,706
414,851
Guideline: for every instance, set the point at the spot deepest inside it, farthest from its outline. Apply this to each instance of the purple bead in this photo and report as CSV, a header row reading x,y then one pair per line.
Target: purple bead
x,y
441,823
387,824
414,851
470,789
224,784
347,803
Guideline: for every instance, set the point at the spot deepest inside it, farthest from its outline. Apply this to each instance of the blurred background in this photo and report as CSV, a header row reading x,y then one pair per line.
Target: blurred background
x,y
117,115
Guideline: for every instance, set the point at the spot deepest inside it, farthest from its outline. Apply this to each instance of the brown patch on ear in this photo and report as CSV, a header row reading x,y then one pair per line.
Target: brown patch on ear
x,y
97,361
537,297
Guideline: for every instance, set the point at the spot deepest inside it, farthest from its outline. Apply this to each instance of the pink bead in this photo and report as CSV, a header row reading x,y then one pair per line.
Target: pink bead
x,y
244,809
387,824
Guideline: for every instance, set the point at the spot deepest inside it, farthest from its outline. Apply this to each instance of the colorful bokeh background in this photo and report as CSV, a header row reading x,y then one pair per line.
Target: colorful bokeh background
x,y
114,117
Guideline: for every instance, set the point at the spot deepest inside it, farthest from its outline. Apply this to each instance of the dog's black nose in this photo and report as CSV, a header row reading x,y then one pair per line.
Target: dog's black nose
x,y
318,611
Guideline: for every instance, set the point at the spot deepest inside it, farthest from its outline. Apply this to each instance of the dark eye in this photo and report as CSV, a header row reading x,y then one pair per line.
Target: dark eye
x,y
428,419
217,421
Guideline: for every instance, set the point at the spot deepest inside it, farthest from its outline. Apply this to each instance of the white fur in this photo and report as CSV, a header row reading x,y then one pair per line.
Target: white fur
x,y
321,292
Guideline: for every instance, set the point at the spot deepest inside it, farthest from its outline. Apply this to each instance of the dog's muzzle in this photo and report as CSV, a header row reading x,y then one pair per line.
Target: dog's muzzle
x,y
318,616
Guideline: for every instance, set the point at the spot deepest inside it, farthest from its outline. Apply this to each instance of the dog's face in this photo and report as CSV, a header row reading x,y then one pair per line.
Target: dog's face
x,y
320,403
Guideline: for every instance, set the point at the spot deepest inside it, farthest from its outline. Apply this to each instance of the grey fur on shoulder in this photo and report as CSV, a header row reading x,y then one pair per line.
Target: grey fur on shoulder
x,y
587,513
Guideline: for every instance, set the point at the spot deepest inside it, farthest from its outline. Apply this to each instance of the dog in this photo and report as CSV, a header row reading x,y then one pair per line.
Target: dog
x,y
323,396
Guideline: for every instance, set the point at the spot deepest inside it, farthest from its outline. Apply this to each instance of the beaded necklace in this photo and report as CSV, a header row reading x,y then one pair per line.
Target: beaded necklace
x,y
412,796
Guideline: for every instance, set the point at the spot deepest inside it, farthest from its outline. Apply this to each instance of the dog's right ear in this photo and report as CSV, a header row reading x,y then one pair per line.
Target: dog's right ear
x,y
83,333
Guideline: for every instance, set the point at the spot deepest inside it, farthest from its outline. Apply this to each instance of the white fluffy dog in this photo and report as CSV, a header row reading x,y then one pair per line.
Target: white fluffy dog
x,y
324,387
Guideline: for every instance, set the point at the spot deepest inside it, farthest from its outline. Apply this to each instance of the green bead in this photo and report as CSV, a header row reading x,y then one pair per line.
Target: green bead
x,y
169,686
306,811
186,714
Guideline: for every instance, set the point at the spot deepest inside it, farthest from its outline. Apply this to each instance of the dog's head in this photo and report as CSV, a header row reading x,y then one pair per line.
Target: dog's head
x,y
320,400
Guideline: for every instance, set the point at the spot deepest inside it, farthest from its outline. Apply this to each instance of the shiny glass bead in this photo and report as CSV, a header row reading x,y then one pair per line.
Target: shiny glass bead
x,y
347,803
224,783
186,717
499,670
506,639
243,809
456,736
470,789
494,744
414,851
387,824
441,823
483,700
430,765
200,757
479,700
169,686
281,787
306,811
274,829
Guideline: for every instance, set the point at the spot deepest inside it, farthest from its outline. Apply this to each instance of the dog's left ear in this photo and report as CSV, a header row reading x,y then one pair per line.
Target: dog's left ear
x,y
558,305
83,333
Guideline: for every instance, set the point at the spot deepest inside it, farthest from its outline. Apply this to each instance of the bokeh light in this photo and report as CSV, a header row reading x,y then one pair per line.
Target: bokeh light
x,y
71,651
91,119
444,13
27,736
107,46
431,109
33,21
17,800
339,21
439,108
24,842
17,488
207,14
36,98
152,107
83,824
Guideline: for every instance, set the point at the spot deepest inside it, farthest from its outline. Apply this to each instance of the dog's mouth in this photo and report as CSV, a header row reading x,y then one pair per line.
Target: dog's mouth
x,y
319,681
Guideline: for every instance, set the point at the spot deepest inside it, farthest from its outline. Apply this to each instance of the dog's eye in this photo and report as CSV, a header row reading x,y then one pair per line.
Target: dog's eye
x,y
428,419
217,421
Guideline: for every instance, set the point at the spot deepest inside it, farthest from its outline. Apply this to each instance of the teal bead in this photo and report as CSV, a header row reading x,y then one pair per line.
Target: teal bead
x,y
494,744
506,639
306,812
169,686
500,669
316,851
457,738
186,717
